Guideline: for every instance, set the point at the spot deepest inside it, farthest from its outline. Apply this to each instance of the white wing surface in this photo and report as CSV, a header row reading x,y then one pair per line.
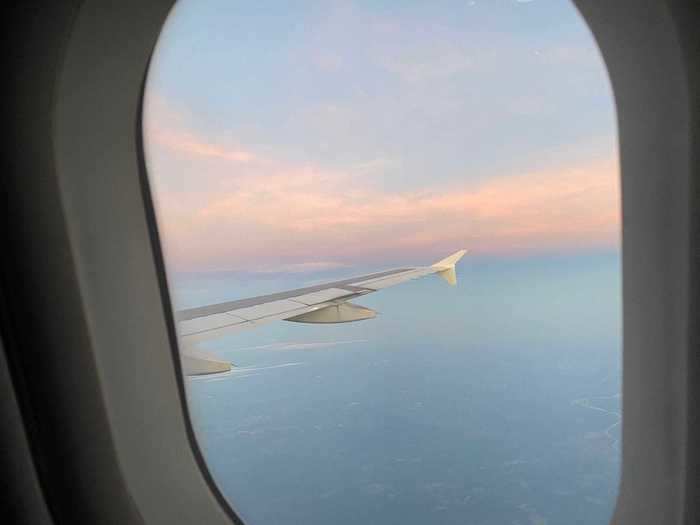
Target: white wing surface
x,y
323,303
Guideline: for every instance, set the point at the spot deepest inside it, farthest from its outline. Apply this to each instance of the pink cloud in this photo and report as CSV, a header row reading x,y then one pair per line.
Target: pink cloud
x,y
233,208
186,144
165,127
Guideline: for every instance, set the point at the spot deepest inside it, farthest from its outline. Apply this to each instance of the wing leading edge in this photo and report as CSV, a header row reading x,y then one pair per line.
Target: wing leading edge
x,y
324,303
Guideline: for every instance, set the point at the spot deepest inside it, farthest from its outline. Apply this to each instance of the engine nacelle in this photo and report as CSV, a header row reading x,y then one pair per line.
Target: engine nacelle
x,y
336,313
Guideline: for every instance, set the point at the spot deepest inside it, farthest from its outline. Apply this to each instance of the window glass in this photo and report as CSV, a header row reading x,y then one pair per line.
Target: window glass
x,y
293,144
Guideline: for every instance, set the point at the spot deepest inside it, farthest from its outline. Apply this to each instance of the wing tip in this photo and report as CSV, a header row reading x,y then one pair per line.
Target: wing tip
x,y
446,267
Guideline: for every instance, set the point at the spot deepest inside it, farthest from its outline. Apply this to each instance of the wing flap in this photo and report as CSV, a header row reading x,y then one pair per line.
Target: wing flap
x,y
258,311
322,296
258,317
207,323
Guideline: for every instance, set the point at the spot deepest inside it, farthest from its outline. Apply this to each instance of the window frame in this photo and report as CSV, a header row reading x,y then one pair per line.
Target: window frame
x,y
75,331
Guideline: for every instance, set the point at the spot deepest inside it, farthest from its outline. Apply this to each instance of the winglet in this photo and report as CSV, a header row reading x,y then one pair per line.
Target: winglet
x,y
446,267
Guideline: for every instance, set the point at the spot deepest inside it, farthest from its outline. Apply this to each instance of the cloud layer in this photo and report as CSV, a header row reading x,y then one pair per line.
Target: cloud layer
x,y
222,205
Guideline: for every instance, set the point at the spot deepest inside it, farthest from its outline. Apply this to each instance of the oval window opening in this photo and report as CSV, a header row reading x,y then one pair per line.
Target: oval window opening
x,y
318,170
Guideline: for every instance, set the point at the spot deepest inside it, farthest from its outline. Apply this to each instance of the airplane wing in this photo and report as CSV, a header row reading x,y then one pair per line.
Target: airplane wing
x,y
323,303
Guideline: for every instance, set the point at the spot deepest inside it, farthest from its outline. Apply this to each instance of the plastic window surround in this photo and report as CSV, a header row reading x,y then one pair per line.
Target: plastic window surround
x,y
96,146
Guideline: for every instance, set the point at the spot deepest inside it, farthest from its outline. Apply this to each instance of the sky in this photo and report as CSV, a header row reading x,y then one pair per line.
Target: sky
x,y
303,136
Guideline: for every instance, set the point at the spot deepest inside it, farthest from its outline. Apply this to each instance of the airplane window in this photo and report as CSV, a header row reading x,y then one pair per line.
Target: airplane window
x,y
318,171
